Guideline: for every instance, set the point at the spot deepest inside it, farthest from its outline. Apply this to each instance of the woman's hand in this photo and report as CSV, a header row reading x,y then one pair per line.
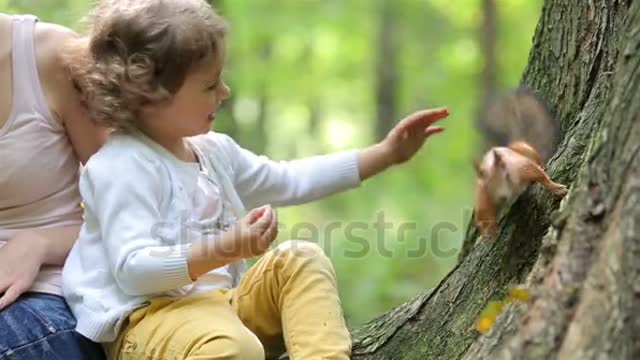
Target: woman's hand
x,y
20,261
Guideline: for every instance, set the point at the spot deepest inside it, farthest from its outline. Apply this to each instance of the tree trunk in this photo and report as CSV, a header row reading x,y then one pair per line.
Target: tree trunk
x,y
386,69
260,138
580,258
229,123
490,69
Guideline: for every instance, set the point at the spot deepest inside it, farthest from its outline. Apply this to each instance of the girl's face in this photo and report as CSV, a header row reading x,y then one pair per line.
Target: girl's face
x,y
193,108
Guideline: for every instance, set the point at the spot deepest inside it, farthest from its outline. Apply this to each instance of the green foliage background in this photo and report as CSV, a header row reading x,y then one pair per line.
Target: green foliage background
x,y
309,67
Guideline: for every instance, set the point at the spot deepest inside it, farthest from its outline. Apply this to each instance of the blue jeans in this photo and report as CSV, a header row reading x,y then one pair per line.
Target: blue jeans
x,y
41,326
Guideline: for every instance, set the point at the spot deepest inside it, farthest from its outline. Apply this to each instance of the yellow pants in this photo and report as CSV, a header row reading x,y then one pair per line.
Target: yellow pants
x,y
289,297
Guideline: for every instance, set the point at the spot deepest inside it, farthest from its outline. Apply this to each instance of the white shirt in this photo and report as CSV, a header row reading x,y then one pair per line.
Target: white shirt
x,y
137,196
211,215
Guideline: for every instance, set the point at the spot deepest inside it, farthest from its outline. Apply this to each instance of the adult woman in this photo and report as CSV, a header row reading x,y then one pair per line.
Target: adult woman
x,y
44,135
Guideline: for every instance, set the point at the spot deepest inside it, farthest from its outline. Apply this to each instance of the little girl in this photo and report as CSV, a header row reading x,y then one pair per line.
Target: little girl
x,y
157,271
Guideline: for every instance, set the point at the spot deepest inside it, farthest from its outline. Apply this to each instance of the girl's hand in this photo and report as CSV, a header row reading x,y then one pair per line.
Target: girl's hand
x,y
252,235
408,136
249,237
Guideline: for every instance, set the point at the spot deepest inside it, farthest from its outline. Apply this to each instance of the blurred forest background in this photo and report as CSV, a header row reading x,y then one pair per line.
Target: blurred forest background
x,y
314,76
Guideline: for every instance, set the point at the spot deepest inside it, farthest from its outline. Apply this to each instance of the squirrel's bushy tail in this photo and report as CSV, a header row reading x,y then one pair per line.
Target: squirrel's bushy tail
x,y
520,115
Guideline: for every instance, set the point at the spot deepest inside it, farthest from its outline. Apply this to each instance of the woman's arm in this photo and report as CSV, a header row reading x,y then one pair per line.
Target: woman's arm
x,y
50,246
29,249
23,255
64,99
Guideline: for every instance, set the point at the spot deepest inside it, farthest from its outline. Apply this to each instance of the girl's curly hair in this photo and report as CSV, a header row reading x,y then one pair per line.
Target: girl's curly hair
x,y
139,52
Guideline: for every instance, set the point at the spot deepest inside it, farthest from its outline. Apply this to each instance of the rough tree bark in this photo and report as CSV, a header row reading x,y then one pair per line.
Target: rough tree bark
x,y
579,257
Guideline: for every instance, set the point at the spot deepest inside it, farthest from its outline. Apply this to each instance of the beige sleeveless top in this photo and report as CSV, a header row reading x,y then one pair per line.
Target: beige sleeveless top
x,y
38,168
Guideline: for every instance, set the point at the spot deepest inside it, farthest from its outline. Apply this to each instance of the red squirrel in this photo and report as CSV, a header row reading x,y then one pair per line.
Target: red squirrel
x,y
505,172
